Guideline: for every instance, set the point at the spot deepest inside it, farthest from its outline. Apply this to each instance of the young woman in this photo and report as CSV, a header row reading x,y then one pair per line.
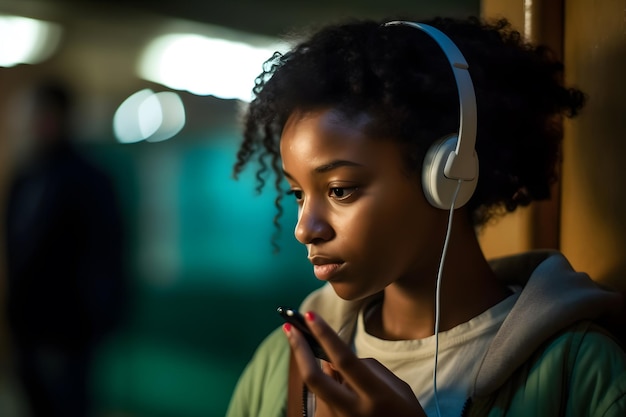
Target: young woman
x,y
397,147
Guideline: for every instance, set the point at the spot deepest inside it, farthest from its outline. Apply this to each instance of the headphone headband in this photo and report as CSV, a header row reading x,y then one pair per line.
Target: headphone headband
x,y
461,164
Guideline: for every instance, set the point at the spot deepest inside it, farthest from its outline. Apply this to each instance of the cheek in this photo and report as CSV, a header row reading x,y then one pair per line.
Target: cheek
x,y
397,233
386,228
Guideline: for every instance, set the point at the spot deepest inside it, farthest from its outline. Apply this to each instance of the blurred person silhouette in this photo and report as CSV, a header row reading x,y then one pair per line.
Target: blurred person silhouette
x,y
65,270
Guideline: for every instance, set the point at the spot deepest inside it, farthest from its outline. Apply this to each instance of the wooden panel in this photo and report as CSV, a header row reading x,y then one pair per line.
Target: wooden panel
x,y
593,221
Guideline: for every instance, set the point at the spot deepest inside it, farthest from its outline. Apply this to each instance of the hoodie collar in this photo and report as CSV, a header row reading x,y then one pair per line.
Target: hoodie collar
x,y
554,297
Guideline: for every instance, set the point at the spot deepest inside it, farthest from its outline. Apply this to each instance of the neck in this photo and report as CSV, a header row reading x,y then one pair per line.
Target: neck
x,y
468,288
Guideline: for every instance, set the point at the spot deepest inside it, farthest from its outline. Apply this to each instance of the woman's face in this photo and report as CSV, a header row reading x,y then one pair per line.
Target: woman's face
x,y
365,222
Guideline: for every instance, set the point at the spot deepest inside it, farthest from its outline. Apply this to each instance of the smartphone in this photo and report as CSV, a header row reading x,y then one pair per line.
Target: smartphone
x,y
297,320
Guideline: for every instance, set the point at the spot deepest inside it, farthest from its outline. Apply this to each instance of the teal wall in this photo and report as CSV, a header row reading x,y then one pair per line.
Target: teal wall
x,y
205,281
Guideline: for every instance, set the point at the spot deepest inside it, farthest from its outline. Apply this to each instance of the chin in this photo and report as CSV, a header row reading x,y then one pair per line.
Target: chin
x,y
350,292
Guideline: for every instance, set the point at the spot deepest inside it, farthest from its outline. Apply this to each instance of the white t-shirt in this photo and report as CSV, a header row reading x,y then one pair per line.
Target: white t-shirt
x,y
460,352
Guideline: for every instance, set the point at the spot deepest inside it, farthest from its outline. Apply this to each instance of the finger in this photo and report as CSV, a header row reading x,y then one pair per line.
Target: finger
x,y
392,383
394,397
324,409
329,370
343,359
378,369
388,378
313,375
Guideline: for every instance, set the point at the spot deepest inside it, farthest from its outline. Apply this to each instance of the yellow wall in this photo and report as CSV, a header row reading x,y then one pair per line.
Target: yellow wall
x,y
593,218
586,217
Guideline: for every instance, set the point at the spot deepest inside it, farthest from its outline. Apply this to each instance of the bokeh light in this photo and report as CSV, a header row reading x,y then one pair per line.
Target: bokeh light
x,y
146,115
205,66
27,41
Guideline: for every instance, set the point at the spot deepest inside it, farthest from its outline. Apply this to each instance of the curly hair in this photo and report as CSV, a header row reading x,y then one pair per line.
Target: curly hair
x,y
400,76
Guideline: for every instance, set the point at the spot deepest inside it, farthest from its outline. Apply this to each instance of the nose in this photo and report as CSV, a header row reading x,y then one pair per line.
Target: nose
x,y
313,226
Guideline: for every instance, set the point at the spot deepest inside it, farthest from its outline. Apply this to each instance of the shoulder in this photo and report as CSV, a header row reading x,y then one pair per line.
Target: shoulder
x,y
597,381
340,314
263,384
271,358
579,372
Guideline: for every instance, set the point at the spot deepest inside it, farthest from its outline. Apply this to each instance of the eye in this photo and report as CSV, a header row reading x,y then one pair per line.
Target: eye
x,y
342,193
296,193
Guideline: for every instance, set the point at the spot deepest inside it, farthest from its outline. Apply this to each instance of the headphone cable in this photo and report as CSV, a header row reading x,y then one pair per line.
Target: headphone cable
x,y
438,294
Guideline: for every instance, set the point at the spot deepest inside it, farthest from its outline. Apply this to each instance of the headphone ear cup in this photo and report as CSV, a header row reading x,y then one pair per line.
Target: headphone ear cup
x,y
439,189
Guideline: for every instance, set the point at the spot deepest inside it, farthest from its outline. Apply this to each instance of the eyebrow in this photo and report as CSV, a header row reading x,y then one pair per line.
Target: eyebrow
x,y
330,166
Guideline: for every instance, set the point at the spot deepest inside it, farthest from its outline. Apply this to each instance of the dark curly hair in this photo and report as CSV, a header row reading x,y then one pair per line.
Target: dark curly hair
x,y
401,77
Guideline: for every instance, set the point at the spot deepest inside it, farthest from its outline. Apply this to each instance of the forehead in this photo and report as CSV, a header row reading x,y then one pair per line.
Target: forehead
x,y
327,130
327,121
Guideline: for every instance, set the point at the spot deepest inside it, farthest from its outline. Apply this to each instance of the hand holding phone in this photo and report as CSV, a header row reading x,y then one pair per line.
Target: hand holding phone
x,y
296,319
351,383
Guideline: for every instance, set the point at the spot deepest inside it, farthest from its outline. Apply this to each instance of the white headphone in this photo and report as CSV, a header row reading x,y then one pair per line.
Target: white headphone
x,y
452,158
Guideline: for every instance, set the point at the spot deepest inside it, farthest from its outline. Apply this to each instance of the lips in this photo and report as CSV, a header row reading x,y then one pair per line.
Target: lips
x,y
325,267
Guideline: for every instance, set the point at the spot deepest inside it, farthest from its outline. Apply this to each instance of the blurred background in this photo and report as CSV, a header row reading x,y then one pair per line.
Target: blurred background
x,y
129,110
